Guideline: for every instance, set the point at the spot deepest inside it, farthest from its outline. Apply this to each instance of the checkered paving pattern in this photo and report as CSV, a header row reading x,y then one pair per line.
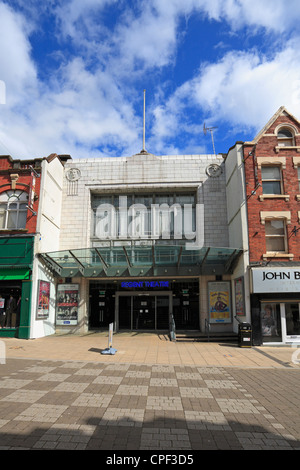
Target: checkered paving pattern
x,y
86,405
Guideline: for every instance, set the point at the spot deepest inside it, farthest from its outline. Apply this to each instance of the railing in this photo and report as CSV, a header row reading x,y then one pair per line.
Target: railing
x,y
172,328
237,319
207,328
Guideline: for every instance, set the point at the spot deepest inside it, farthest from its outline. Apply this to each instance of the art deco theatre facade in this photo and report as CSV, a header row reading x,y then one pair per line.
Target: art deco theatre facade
x,y
144,245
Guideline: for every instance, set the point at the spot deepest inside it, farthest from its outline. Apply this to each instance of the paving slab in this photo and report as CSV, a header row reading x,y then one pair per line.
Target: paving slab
x,y
61,393
149,348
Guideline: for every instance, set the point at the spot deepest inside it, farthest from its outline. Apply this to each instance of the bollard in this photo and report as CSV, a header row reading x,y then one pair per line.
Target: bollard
x,y
110,349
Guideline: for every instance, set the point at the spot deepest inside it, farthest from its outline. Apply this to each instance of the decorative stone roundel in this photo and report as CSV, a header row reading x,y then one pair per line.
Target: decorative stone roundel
x,y
213,170
73,174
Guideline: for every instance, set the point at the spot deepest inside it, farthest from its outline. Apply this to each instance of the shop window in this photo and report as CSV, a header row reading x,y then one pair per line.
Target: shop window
x,y
270,322
292,318
13,210
271,179
285,137
276,240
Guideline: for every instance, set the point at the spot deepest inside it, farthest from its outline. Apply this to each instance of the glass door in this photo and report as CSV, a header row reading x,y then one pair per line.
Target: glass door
x,y
143,312
292,321
162,312
125,308
101,309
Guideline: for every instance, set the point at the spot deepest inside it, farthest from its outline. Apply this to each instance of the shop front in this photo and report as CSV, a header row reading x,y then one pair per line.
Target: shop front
x,y
138,288
16,258
275,305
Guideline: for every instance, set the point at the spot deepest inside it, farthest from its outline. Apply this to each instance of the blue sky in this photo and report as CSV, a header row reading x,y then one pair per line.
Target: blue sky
x,y
74,73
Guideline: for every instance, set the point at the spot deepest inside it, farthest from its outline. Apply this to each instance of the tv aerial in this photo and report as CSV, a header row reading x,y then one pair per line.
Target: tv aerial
x,y
210,129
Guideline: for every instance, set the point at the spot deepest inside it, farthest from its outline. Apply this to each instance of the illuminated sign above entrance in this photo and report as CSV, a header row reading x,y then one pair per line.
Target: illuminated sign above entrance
x,y
144,284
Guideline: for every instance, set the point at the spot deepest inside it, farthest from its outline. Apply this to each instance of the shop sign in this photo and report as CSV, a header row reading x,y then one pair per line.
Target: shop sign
x,y
144,284
219,301
275,280
67,304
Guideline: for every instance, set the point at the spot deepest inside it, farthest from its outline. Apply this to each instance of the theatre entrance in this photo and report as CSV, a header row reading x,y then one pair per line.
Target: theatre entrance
x,y
143,311
138,308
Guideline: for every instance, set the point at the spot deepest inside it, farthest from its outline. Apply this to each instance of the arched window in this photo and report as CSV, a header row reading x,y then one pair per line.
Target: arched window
x,y
13,210
285,137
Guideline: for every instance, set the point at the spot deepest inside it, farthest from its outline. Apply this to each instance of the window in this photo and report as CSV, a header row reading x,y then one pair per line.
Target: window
x,y
13,210
299,178
285,137
271,322
271,179
275,231
160,215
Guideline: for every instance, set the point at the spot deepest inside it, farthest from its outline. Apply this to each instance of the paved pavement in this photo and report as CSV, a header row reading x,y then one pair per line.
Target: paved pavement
x,y
60,392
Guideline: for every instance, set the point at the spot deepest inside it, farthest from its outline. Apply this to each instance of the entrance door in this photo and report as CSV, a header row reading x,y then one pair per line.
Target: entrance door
x,y
101,310
125,310
162,312
8,289
144,311
292,321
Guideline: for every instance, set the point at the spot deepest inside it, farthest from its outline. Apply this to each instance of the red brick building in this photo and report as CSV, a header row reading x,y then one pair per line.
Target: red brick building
x,y
272,180
30,200
19,195
19,201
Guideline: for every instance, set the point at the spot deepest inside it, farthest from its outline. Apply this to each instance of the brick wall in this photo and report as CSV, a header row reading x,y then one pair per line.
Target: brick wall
x,y
9,167
266,147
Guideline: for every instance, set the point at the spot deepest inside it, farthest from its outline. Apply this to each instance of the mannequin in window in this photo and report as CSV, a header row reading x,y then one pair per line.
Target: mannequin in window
x,y
10,309
2,311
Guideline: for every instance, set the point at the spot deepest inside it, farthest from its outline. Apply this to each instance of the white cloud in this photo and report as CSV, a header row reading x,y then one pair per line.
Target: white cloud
x,y
243,89
87,104
17,69
276,15
82,111
147,41
246,89
75,111
82,21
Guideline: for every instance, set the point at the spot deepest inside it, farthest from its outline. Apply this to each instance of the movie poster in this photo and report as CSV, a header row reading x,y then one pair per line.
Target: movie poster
x,y
239,296
219,302
43,300
67,304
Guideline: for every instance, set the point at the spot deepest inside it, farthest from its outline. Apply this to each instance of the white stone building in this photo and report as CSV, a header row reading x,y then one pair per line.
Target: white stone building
x,y
46,239
144,243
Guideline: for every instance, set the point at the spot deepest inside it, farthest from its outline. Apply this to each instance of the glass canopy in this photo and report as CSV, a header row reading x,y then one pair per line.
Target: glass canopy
x,y
142,260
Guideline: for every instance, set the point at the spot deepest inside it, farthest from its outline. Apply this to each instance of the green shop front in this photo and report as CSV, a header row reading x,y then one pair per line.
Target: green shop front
x,y
136,287
16,259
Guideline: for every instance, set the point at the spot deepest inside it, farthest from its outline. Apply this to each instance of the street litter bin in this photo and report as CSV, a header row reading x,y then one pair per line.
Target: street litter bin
x,y
245,335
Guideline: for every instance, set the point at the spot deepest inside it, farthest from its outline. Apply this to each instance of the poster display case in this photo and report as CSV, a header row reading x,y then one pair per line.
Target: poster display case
x,y
67,304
